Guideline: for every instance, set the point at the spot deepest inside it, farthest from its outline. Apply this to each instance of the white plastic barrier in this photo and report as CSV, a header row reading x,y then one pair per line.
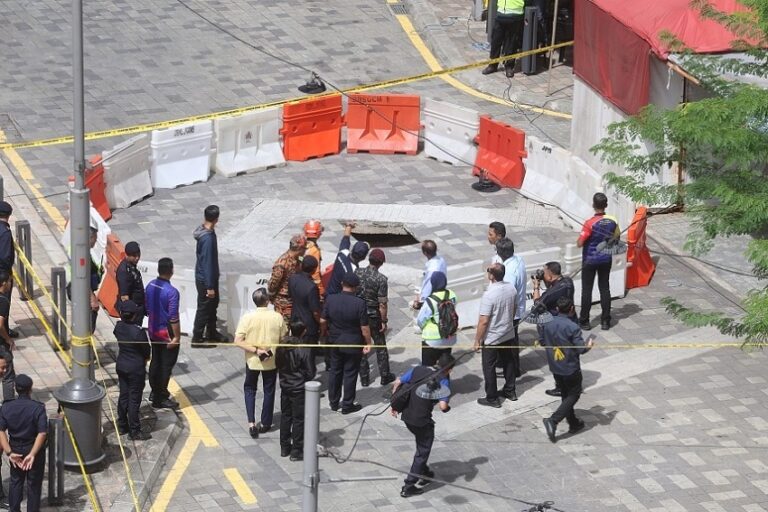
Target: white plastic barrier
x,y
97,251
546,171
449,132
126,172
249,142
582,182
184,280
240,287
181,155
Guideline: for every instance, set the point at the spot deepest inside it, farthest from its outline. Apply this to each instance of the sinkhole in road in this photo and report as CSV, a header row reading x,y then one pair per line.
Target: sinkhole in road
x,y
383,234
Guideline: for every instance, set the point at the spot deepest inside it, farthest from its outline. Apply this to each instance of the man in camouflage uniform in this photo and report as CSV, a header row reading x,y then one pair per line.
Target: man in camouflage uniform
x,y
285,266
373,290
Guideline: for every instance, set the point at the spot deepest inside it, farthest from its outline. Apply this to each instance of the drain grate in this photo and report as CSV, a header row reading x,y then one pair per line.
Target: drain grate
x,y
398,8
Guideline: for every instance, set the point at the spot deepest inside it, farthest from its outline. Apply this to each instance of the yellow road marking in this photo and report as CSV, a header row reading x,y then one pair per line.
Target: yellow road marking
x,y
233,475
435,66
197,427
183,461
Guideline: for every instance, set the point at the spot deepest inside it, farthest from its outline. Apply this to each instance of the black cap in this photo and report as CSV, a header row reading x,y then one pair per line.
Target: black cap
x,y
23,382
5,209
350,279
132,249
129,307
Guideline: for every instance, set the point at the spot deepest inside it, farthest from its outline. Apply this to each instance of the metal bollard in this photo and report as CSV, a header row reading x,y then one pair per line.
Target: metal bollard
x,y
24,239
492,8
311,478
530,39
55,461
2,190
59,282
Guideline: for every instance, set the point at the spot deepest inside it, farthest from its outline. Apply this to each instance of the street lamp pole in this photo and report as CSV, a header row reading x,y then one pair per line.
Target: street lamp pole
x,y
80,398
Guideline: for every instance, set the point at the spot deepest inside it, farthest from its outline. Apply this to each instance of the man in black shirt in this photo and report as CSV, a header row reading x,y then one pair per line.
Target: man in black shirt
x,y
7,253
306,307
7,344
26,424
417,416
134,350
130,285
345,321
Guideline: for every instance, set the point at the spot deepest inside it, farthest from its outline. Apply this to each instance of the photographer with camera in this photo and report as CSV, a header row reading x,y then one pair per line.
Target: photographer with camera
x,y
558,286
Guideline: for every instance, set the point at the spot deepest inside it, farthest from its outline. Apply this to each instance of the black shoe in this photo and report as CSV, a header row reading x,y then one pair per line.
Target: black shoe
x,y
4,503
254,432
554,392
585,326
285,451
388,379
429,474
605,325
165,404
295,457
122,429
492,68
365,382
139,436
510,395
353,408
550,426
489,403
576,427
197,342
216,337
334,408
13,333
410,490
263,429
510,72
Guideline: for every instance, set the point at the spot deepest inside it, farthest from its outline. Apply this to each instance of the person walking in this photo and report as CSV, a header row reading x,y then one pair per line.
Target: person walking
x,y
130,285
257,333
506,34
564,345
514,273
132,356
23,431
313,229
373,290
433,344
345,321
435,263
295,366
495,334
599,228
207,278
165,333
417,416
7,345
286,265
7,254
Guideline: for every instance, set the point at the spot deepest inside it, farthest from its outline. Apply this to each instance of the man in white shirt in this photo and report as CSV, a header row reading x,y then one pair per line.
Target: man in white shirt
x,y
514,267
435,263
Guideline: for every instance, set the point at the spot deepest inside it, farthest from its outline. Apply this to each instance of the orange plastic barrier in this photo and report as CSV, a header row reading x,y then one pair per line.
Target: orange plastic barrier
x,y
108,291
383,124
94,181
640,265
500,151
312,128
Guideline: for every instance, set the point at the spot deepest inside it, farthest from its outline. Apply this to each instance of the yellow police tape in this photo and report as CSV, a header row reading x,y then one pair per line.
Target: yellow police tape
x,y
29,268
86,478
140,128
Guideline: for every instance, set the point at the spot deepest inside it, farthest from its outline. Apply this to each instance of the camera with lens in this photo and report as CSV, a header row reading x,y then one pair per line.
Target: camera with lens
x,y
539,275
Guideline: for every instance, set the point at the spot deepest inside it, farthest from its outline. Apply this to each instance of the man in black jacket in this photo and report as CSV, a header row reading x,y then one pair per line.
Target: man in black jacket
x,y
295,366
134,350
417,416
207,278
7,253
130,285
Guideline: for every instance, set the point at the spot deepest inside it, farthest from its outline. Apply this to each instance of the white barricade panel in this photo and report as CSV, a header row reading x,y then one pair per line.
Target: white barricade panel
x,y
181,155
240,287
582,183
247,143
126,172
546,170
184,281
618,282
449,132
97,251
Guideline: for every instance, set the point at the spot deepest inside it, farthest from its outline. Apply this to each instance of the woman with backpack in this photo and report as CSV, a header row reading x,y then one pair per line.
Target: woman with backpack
x,y
438,321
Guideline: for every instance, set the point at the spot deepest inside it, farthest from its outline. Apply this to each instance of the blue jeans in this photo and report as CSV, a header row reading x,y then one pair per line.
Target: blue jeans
x,y
251,385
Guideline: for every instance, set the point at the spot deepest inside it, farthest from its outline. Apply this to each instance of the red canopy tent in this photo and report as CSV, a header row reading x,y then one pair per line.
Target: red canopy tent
x,y
614,40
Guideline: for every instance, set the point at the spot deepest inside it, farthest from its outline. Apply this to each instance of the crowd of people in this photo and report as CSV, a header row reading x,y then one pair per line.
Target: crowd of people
x,y
344,306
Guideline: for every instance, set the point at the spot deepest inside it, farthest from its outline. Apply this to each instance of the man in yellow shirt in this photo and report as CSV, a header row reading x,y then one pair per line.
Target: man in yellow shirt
x,y
257,333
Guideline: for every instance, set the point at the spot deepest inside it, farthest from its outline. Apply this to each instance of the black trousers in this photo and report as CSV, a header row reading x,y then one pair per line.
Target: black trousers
x,y
603,272
9,379
507,37
570,386
344,369
430,355
382,355
131,384
205,317
489,357
160,368
292,421
425,436
34,480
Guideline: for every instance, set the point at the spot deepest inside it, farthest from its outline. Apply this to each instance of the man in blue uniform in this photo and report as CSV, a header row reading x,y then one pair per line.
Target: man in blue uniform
x,y
131,360
347,259
130,285
3,498
7,345
7,252
26,425
417,416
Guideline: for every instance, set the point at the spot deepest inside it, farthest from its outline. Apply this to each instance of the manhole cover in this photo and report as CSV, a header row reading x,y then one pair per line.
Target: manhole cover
x,y
398,9
383,234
